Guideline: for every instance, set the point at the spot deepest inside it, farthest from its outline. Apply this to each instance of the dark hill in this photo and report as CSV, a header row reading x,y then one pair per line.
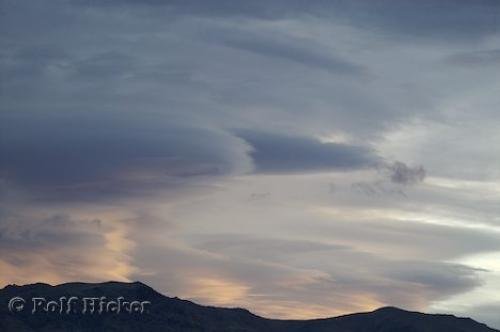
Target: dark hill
x,y
175,315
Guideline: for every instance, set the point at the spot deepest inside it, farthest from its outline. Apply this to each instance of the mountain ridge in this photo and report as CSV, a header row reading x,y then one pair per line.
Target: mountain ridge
x,y
145,309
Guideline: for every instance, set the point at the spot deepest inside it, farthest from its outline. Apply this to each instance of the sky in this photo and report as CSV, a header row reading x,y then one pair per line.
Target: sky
x,y
298,158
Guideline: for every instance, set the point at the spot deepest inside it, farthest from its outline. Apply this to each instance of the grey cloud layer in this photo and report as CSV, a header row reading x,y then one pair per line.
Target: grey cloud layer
x,y
448,19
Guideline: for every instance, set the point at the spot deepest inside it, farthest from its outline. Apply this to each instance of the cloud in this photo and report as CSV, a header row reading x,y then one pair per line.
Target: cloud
x,y
60,248
447,20
401,173
124,112
297,51
104,65
272,282
444,279
377,188
237,245
64,155
276,153
17,233
475,59
284,252
123,63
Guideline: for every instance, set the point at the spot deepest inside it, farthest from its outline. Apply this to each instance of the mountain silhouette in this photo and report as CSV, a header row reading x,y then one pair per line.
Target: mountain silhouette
x,y
109,307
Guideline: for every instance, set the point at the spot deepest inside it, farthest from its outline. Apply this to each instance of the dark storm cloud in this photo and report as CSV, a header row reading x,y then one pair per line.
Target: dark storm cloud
x,y
81,152
275,153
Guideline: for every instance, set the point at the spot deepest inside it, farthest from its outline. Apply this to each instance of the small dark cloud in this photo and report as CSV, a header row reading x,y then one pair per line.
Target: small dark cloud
x,y
395,175
275,153
401,173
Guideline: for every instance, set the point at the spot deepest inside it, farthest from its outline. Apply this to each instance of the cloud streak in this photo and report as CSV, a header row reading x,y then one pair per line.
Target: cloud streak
x,y
275,153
